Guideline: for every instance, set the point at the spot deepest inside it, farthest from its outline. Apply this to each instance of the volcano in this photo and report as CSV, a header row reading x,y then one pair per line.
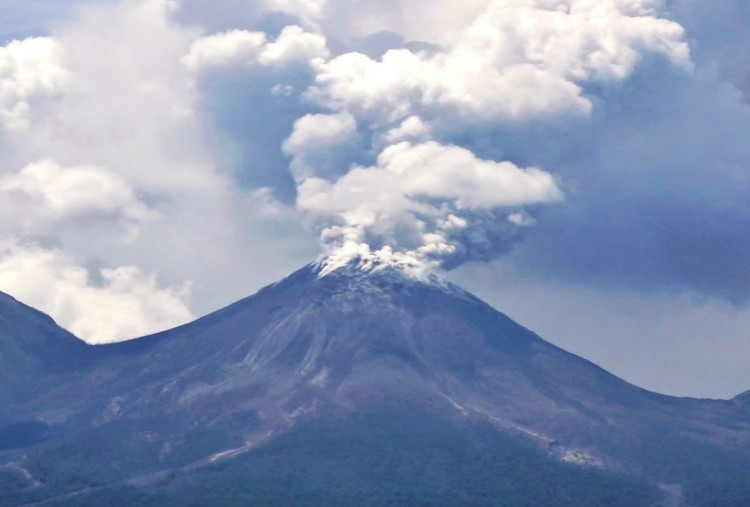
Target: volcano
x,y
353,384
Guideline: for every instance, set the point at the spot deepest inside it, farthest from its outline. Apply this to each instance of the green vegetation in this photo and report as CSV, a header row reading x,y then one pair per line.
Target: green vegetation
x,y
22,434
722,486
113,496
108,455
406,459
12,485
392,457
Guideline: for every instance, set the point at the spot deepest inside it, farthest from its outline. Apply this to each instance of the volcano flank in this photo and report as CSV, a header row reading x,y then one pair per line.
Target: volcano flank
x,y
358,384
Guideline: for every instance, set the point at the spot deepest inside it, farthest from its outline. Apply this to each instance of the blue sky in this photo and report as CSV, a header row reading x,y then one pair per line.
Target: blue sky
x,y
580,164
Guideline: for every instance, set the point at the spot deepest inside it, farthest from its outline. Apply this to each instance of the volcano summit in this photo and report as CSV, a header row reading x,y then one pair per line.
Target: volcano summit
x,y
352,383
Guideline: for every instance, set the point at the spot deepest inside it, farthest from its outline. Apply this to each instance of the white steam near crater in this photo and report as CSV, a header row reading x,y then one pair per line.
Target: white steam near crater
x,y
425,200
379,165
429,203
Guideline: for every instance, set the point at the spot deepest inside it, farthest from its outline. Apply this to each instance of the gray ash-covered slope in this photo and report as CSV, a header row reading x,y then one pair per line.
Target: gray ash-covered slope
x,y
358,338
327,345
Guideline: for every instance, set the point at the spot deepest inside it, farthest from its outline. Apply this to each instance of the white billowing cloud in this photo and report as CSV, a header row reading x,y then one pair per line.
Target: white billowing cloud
x,y
582,40
428,202
30,70
240,47
249,98
127,104
316,129
451,173
48,193
228,48
513,61
322,145
403,84
126,303
411,129
519,60
118,171
294,46
128,110
100,122
303,8
518,63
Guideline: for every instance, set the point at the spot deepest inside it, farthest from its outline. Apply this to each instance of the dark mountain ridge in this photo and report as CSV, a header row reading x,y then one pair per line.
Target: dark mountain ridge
x,y
35,353
326,345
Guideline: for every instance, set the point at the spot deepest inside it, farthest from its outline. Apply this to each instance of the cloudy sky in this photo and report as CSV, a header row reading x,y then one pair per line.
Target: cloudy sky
x,y
583,165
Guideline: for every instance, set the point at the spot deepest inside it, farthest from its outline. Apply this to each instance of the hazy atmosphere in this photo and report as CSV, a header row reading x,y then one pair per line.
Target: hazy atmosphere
x,y
581,165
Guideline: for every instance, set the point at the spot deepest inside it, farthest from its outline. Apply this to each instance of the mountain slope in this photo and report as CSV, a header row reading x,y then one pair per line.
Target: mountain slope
x,y
351,339
326,346
35,353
